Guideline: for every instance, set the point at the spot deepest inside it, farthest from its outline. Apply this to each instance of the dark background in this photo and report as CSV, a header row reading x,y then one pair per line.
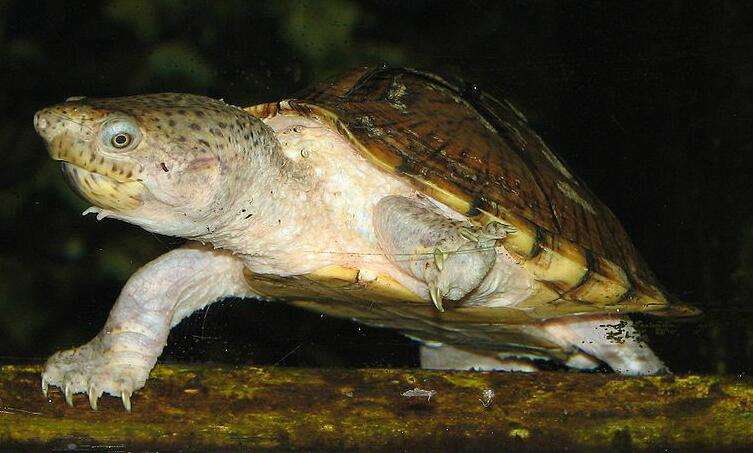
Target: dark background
x,y
650,102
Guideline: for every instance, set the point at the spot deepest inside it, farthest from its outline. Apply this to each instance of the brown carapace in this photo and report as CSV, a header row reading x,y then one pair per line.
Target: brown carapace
x,y
479,156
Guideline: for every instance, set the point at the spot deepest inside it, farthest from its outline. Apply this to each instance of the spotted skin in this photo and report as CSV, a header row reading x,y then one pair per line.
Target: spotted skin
x,y
178,165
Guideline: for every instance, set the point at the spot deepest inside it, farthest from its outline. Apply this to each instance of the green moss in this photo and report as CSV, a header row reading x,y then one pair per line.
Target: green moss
x,y
475,381
214,407
698,386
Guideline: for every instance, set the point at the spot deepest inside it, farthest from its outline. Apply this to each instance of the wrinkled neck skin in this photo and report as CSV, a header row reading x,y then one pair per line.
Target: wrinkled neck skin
x,y
258,214
259,211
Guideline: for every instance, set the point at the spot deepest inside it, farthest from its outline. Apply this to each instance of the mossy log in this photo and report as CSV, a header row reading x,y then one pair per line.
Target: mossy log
x,y
210,408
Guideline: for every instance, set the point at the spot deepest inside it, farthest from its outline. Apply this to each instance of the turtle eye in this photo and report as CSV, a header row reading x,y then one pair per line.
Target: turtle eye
x,y
120,134
121,140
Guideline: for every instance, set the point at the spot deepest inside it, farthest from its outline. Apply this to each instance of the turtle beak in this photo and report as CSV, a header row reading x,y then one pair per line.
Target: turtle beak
x,y
107,183
42,124
52,122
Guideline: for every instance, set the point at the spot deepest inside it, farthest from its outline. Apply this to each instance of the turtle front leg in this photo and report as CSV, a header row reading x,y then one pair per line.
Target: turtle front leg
x,y
118,360
452,257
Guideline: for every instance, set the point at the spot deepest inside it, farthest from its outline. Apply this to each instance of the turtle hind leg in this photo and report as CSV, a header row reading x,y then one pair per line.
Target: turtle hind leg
x,y
611,339
446,357
581,361
452,257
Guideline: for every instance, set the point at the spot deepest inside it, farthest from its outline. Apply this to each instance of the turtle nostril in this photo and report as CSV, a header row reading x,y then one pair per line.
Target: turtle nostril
x,y
40,122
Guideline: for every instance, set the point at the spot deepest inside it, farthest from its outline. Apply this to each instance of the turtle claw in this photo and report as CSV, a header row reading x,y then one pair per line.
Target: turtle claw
x,y
461,261
486,237
439,258
126,397
436,297
468,234
68,395
88,370
93,397
497,230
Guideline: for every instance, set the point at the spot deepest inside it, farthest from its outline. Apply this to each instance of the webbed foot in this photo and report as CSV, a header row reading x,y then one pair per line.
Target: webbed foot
x,y
451,256
89,369
460,261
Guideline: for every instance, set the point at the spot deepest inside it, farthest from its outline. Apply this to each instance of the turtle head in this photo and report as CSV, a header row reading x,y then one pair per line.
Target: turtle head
x,y
167,162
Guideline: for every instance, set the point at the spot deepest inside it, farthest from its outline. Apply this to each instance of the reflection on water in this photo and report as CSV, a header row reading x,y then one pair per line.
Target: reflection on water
x,y
244,331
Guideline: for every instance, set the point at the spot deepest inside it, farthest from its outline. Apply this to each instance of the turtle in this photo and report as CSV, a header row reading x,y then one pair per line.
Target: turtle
x,y
394,197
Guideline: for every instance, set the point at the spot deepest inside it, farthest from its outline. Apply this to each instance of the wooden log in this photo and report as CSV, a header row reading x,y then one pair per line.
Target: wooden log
x,y
210,408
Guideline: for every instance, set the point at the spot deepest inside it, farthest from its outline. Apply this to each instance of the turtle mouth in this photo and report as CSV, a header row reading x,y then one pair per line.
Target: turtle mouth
x,y
69,149
101,190
102,181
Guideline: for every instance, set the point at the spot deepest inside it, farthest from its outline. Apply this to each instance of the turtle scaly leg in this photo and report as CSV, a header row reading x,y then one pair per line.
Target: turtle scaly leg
x,y
118,360
452,257
611,339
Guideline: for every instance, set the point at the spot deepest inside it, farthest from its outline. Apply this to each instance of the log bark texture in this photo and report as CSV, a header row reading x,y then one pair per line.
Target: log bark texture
x,y
211,408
